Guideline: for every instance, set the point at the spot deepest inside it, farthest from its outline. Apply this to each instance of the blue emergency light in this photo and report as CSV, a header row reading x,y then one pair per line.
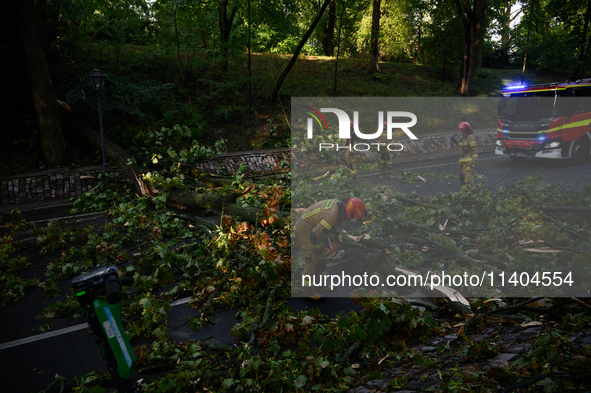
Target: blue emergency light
x,y
515,87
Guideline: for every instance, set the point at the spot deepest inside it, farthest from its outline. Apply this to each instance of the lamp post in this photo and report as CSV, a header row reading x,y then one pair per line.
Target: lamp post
x,y
97,79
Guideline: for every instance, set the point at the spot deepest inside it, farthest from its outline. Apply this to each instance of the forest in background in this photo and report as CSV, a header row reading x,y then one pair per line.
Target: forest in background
x,y
186,62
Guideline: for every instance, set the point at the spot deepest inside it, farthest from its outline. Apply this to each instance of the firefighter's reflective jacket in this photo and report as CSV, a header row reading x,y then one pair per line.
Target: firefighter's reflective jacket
x,y
321,218
468,149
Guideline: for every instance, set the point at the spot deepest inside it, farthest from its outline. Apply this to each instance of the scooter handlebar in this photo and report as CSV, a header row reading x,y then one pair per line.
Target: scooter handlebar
x,y
113,290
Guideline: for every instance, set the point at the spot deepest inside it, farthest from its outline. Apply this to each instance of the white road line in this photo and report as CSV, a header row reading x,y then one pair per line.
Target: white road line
x,y
71,329
180,301
427,166
43,336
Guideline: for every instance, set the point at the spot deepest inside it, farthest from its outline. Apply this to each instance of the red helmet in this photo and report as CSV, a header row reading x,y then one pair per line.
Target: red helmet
x,y
465,126
355,209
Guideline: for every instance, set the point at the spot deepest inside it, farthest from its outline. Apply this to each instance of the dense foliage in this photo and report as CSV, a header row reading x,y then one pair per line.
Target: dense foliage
x,y
178,86
246,268
184,61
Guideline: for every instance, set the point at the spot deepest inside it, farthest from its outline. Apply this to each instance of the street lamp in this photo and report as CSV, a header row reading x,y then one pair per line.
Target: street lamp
x,y
97,79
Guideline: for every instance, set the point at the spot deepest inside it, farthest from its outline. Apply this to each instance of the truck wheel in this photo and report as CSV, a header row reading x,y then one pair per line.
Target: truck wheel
x,y
580,152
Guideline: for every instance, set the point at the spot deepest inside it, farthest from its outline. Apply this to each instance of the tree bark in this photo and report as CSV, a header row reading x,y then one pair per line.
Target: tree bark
x,y
52,140
182,198
125,161
336,63
375,35
225,22
328,39
584,58
178,47
473,19
505,31
584,70
275,94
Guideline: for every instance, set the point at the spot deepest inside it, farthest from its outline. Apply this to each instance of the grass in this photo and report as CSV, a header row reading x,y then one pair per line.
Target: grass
x,y
218,104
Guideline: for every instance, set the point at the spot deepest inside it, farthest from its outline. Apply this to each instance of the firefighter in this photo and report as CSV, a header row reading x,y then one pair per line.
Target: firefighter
x,y
315,225
352,153
468,153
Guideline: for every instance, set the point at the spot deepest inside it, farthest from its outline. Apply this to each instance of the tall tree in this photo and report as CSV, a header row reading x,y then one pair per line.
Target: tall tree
x,y
226,21
473,17
375,35
275,94
328,39
584,47
52,140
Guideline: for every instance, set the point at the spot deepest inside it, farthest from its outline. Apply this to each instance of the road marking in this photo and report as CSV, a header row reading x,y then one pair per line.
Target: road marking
x,y
43,336
71,329
424,167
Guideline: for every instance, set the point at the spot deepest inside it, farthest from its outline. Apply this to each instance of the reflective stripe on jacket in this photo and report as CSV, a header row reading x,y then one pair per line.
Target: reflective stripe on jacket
x,y
468,148
322,217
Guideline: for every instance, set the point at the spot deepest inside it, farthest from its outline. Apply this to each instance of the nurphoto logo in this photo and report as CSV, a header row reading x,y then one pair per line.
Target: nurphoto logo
x,y
345,125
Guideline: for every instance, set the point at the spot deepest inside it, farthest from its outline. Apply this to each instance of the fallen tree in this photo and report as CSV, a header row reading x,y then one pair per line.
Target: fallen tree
x,y
183,198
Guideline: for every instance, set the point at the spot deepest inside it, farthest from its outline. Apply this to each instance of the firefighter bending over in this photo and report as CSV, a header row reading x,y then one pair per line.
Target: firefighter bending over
x,y
468,153
314,226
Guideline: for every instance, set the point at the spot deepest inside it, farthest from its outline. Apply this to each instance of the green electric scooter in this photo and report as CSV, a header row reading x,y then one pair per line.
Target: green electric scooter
x,y
99,293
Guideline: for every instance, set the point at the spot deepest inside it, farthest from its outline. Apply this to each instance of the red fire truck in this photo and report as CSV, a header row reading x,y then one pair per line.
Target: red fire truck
x,y
549,121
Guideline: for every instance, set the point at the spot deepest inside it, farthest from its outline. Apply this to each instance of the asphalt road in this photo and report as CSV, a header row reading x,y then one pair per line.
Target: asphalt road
x,y
442,173
33,351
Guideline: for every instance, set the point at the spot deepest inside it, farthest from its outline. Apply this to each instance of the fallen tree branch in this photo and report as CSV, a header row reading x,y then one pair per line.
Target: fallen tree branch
x,y
417,203
569,231
263,320
180,198
124,159
566,209
523,306
466,258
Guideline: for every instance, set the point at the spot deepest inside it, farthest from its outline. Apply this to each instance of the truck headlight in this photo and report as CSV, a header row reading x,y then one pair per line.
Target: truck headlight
x,y
553,144
499,142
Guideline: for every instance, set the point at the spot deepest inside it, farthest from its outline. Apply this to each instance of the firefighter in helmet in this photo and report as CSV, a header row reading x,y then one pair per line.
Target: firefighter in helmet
x,y
314,226
468,153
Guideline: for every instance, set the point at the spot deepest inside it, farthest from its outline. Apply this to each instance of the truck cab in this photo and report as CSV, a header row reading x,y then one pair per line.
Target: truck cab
x,y
546,121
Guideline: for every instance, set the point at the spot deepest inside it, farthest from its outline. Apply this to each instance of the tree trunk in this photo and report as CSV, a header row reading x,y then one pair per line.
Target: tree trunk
x,y
416,59
375,35
336,63
328,39
182,198
584,52
505,31
225,22
46,106
275,94
125,161
178,46
473,20
584,70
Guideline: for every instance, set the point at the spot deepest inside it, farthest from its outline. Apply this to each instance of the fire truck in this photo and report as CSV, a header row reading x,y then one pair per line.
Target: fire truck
x,y
548,121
